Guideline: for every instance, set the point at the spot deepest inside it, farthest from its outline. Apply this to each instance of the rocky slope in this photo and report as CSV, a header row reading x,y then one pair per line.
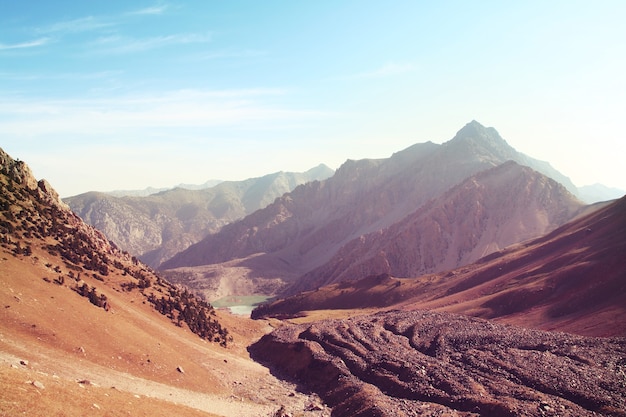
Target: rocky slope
x,y
87,329
34,219
433,364
572,279
157,226
485,213
305,228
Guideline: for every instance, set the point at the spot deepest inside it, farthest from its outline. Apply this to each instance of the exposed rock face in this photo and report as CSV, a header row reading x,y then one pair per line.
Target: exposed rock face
x,y
158,226
21,173
425,364
17,170
305,228
485,213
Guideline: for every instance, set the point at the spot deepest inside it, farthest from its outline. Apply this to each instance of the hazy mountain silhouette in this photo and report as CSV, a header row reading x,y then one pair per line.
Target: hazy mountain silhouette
x,y
485,213
597,192
152,190
571,279
158,226
305,228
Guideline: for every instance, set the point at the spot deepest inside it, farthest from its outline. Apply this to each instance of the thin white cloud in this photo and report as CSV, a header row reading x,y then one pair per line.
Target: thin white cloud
x,y
29,44
225,54
125,45
152,10
96,23
82,24
33,76
387,70
185,109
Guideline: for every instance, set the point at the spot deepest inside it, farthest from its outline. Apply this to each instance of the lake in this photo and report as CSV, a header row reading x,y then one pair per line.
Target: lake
x,y
240,304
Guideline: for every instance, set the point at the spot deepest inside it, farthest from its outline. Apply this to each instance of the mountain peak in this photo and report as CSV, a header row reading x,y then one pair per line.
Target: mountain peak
x,y
21,173
485,142
477,132
17,170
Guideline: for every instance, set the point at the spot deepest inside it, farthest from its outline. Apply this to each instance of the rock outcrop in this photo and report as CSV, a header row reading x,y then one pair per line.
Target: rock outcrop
x,y
19,172
426,364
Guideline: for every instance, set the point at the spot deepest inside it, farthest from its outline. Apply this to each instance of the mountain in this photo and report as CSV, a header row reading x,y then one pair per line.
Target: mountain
x,y
304,229
572,279
158,226
35,220
87,329
151,190
597,192
488,211
414,348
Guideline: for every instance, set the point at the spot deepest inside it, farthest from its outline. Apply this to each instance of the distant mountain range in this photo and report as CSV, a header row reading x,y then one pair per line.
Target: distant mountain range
x,y
78,310
157,226
572,279
597,192
151,190
458,209
485,213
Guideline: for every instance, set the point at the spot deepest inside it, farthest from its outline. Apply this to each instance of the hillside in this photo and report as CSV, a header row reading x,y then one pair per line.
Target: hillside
x,y
485,213
157,226
420,363
87,329
409,352
304,229
572,279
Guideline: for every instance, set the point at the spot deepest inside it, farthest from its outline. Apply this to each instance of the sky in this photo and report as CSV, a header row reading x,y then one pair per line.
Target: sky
x,y
109,95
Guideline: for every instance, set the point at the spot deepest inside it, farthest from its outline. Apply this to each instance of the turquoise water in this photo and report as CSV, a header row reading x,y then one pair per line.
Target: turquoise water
x,y
240,304
241,310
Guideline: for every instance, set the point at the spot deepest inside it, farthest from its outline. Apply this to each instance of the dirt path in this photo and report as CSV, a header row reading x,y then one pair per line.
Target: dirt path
x,y
257,393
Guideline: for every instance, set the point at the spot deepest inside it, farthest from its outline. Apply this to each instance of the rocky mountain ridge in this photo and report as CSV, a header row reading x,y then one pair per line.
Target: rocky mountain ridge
x,y
153,190
467,222
33,219
571,279
304,229
157,226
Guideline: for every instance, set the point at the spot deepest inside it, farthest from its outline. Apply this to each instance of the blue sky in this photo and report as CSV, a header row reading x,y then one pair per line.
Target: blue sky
x,y
123,95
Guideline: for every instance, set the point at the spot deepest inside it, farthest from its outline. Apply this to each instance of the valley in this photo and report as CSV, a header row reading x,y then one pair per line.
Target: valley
x,y
462,279
425,209
88,329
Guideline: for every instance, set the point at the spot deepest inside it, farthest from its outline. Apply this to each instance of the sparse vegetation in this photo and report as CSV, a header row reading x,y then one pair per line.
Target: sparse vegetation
x,y
91,293
182,306
30,218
